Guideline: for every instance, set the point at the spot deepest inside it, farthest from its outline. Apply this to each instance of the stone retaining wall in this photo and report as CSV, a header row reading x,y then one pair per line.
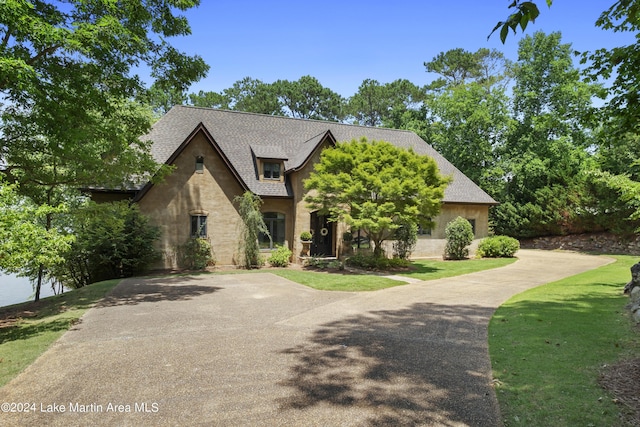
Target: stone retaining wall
x,y
606,243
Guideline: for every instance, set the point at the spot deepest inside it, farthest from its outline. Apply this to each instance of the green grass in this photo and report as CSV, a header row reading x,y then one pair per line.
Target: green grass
x,y
24,340
430,269
337,281
548,344
422,269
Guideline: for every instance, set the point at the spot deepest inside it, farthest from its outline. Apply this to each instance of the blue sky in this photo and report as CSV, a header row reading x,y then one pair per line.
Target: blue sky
x,y
341,43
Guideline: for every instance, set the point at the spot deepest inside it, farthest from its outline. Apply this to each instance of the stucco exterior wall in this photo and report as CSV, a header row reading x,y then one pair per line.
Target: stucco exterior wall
x,y
433,245
185,192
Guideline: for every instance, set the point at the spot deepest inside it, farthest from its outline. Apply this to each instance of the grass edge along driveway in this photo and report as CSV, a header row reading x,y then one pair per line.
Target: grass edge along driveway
x,y
33,327
549,344
28,329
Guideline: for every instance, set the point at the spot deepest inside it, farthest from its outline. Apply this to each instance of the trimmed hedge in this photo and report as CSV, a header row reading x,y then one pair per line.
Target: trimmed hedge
x,y
498,247
371,262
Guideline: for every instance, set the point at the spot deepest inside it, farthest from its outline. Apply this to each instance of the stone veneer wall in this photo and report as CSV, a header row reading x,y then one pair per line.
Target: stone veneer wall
x,y
593,242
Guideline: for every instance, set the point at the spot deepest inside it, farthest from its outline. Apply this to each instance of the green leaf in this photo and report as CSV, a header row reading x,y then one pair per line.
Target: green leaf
x,y
524,21
503,33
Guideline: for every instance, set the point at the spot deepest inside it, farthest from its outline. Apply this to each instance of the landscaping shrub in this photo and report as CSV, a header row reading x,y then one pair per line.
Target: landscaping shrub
x,y
252,225
195,254
498,247
306,236
406,239
459,235
113,240
280,257
372,262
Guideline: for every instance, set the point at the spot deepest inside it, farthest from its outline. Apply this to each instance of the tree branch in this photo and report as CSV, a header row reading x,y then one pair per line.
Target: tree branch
x,y
7,36
42,53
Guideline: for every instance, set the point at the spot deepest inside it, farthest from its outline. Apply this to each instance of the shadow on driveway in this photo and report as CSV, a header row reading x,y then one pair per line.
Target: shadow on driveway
x,y
135,291
415,366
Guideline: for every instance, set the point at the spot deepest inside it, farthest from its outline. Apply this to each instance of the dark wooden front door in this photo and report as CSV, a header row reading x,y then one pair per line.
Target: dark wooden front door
x,y
322,229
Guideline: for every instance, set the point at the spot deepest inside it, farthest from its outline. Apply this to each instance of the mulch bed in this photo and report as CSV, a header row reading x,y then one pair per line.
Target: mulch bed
x,y
623,381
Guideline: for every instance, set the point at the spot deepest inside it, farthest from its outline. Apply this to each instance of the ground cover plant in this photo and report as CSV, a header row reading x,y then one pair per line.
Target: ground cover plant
x,y
549,345
28,329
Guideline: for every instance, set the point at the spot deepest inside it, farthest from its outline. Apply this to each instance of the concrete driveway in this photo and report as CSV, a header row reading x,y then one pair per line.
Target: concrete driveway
x,y
258,350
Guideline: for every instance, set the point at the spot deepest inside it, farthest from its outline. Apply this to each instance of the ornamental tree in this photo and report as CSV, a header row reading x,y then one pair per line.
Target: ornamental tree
x,y
376,187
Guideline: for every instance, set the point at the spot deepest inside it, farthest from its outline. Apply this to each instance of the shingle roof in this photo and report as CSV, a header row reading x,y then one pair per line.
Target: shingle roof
x,y
269,152
238,134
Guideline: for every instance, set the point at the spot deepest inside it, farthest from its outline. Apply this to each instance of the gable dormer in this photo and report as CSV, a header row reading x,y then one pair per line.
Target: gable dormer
x,y
269,160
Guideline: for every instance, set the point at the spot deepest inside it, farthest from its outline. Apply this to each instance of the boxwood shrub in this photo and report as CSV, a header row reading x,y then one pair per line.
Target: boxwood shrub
x,y
498,247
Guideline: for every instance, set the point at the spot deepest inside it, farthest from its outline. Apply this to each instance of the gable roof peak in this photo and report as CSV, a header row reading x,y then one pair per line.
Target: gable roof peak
x,y
238,134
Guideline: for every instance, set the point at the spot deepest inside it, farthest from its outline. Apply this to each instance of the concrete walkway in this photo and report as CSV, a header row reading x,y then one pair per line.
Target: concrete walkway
x,y
258,350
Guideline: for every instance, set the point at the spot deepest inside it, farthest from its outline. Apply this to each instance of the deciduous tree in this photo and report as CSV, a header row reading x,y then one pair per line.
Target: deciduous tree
x,y
546,150
68,82
376,187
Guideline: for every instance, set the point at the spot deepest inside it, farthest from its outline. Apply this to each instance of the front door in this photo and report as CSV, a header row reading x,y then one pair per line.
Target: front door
x,y
322,230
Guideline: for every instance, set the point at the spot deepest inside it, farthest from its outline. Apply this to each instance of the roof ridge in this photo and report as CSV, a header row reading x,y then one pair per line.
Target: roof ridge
x,y
289,118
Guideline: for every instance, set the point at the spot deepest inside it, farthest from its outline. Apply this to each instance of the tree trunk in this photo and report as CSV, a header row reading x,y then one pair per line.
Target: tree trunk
x,y
378,250
39,283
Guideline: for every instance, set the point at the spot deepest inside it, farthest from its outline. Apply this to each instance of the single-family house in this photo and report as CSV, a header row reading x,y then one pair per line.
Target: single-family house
x,y
218,155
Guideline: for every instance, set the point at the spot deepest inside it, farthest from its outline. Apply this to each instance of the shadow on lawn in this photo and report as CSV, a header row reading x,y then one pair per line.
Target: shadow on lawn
x,y
135,291
22,332
427,364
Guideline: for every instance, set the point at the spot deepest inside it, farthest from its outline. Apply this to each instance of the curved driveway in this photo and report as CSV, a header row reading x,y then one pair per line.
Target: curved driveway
x,y
258,350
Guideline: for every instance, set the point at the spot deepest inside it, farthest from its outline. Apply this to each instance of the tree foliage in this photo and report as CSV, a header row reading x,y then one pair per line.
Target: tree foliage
x,y
376,187
546,148
468,126
406,237
70,115
26,243
252,225
375,104
306,98
253,96
67,81
621,113
523,13
112,240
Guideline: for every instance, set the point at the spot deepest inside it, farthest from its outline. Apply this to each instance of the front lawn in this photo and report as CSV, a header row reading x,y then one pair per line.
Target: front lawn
x,y
430,269
337,281
548,346
28,329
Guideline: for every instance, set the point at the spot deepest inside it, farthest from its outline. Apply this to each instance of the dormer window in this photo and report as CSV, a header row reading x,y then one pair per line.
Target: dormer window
x,y
271,170
200,164
270,161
